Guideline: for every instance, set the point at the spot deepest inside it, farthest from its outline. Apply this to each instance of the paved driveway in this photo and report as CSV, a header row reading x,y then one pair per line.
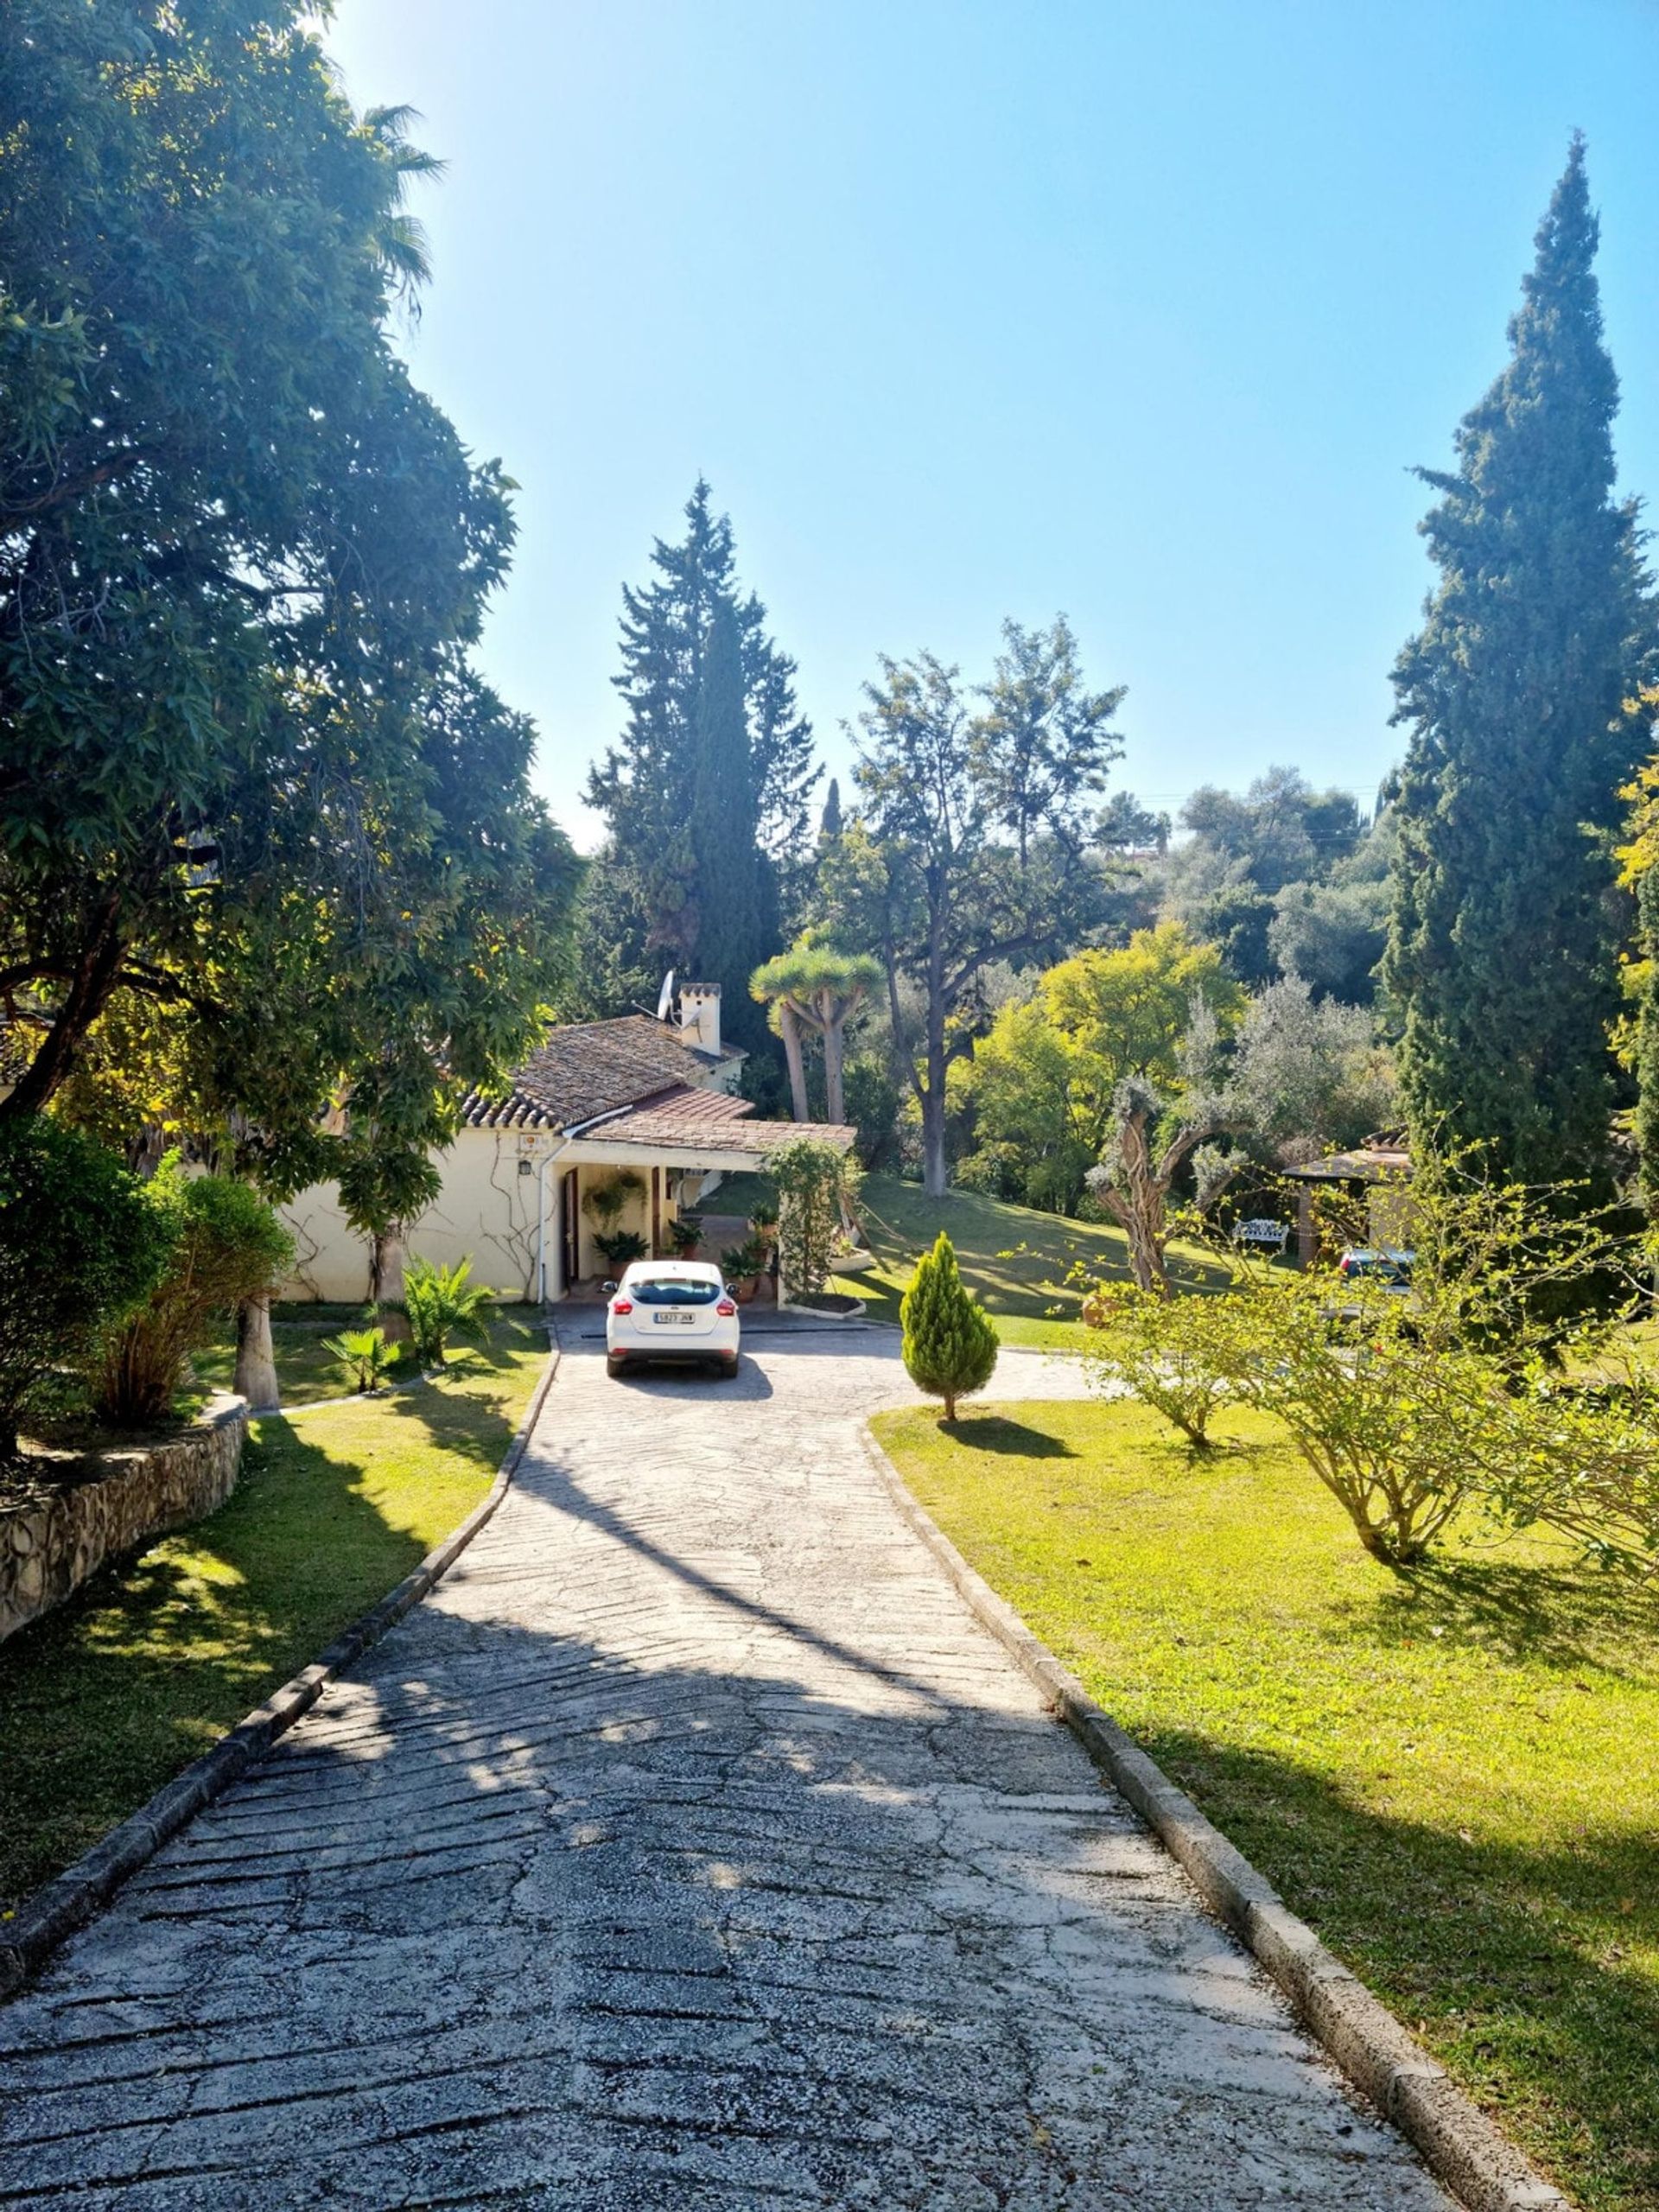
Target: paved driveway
x,y
691,1848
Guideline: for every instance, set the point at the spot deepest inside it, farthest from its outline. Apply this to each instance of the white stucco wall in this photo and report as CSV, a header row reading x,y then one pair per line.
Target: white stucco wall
x,y
486,1212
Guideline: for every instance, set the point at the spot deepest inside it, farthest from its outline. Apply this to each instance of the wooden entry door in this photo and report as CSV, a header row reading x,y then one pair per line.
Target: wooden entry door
x,y
569,1229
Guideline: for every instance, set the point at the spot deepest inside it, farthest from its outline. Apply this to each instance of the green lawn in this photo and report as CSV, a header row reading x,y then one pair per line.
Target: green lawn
x,y
1018,1260
1453,1775
298,1332
103,1700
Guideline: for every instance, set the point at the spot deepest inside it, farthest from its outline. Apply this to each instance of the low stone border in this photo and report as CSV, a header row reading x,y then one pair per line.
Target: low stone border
x,y
853,1311
48,1919
1461,2147
123,1494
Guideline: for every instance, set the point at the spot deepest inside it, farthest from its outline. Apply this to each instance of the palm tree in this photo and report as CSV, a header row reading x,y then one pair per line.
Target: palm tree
x,y
402,240
814,990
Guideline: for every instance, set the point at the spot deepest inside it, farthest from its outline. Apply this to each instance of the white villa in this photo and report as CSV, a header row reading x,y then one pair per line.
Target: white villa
x,y
656,1096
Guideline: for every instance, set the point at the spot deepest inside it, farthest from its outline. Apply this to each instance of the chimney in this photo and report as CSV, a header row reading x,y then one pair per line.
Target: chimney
x,y
699,1015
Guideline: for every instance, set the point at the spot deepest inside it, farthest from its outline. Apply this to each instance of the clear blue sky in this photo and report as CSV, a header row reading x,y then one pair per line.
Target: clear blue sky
x,y
976,308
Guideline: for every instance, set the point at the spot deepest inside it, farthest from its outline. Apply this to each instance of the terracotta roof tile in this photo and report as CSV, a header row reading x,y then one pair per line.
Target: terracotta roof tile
x,y
686,1118
587,1068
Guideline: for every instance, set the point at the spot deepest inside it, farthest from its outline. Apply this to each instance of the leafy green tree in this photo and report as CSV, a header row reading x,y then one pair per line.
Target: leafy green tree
x,y
79,1250
1043,1085
241,558
258,816
1516,692
1310,1073
1331,935
949,1345
1130,1008
1043,740
971,848
1245,856
1126,826
647,785
1040,1108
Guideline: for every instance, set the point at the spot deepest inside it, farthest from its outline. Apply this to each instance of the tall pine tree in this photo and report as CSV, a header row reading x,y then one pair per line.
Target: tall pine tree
x,y
1501,951
647,786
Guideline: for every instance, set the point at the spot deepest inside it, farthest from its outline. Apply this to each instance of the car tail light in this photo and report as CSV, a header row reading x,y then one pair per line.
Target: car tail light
x,y
622,1306
725,1309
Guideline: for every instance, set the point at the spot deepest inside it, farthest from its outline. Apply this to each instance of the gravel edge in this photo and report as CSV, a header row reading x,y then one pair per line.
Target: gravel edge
x,y
53,1914
1461,2147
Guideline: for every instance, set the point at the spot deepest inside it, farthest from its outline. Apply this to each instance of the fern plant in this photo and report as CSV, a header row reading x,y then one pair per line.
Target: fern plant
x,y
441,1303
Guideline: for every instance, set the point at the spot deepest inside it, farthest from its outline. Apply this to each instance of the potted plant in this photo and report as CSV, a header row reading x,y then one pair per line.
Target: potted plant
x,y
684,1233
619,1246
605,1202
763,1223
743,1265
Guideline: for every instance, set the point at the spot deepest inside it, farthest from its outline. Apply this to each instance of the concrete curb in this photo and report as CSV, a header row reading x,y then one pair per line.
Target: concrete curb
x,y
53,1914
1461,2147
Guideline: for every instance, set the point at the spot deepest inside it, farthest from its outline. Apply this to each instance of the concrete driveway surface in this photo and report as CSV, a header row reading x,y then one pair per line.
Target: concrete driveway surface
x,y
690,1847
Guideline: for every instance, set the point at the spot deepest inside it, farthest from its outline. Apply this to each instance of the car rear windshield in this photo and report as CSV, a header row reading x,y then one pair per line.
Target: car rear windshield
x,y
673,1290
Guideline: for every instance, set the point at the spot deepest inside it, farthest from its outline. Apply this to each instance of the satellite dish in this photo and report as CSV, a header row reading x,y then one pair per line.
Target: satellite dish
x,y
665,997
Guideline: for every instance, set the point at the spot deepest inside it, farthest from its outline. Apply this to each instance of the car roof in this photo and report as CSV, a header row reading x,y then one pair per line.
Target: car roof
x,y
688,1270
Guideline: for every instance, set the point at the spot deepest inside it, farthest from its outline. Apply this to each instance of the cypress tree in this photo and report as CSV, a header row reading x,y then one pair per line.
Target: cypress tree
x,y
1501,952
949,1345
646,785
829,822
728,872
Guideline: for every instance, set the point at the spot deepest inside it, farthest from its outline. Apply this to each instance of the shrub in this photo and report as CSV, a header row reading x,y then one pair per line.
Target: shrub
x,y
79,1249
367,1355
949,1345
1405,1406
816,1185
225,1244
619,1246
441,1303
1178,1355
739,1261
1583,1461
1391,1424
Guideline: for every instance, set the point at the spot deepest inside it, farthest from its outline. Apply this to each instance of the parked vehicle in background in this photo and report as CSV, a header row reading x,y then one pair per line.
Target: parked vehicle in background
x,y
672,1310
1365,1269
1387,1269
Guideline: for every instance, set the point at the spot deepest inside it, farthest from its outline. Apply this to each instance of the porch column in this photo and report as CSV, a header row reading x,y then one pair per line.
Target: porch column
x,y
656,1210
1307,1236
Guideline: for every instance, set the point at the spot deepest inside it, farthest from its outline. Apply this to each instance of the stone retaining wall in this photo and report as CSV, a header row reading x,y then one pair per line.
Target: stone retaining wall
x,y
47,1550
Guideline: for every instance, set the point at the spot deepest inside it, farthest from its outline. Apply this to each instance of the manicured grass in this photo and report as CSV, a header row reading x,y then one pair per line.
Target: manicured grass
x,y
1452,1774
304,1370
1019,1260
103,1700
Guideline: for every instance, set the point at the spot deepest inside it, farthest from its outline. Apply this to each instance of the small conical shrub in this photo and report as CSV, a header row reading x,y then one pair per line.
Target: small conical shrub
x,y
949,1344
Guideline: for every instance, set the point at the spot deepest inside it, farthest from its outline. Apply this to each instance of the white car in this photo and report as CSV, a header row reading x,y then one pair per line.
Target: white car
x,y
670,1309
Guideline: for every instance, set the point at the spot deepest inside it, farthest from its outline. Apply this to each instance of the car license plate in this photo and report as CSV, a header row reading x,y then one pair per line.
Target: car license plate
x,y
682,1320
